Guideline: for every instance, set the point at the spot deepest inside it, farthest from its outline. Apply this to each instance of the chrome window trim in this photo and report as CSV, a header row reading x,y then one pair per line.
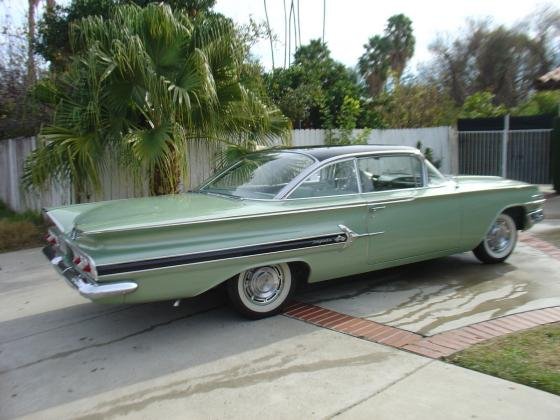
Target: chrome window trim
x,y
288,189
357,171
320,168
284,192
217,175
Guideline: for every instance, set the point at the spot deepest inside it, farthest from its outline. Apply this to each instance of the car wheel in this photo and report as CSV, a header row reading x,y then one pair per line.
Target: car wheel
x,y
261,291
499,241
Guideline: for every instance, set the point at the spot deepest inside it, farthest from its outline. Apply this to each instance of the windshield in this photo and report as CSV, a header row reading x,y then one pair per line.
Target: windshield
x,y
261,175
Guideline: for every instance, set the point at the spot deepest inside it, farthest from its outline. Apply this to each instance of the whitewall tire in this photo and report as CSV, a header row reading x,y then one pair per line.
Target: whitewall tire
x,y
261,291
499,242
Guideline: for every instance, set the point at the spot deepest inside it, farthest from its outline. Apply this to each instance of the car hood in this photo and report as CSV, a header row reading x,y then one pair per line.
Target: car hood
x,y
139,213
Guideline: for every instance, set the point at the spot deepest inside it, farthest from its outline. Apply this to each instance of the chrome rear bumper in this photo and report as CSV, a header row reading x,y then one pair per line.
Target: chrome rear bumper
x,y
87,287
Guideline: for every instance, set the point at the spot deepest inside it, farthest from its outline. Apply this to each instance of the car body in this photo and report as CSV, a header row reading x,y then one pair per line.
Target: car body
x,y
305,214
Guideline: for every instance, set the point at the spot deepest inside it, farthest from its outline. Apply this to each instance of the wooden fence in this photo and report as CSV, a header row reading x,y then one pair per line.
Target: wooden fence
x,y
115,185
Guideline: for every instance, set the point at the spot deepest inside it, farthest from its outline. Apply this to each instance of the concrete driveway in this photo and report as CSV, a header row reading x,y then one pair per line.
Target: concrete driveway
x,y
63,357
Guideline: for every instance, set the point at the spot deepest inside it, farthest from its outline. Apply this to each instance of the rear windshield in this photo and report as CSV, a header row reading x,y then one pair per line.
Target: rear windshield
x,y
261,175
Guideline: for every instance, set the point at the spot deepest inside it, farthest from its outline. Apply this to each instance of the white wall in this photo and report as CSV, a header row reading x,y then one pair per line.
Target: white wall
x,y
442,140
117,185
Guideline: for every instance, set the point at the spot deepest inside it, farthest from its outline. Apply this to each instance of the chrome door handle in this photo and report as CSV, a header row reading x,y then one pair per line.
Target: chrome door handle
x,y
373,209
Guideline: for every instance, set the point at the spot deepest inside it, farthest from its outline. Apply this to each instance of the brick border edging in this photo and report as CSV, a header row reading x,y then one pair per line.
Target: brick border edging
x,y
435,346
449,342
438,345
354,326
540,244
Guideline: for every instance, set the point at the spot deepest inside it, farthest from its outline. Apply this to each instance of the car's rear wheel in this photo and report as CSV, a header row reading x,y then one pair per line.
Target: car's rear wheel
x,y
499,242
261,291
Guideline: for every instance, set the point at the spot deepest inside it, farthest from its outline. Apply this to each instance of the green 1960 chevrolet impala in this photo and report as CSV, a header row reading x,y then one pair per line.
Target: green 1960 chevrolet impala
x,y
280,217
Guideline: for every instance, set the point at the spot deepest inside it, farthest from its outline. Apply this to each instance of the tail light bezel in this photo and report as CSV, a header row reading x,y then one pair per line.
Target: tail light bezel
x,y
86,265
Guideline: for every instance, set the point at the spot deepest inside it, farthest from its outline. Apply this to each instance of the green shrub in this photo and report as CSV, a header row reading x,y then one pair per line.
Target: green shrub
x,y
20,230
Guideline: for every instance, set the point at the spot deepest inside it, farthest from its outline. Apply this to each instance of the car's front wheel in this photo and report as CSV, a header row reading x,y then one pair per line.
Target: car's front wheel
x,y
261,291
499,241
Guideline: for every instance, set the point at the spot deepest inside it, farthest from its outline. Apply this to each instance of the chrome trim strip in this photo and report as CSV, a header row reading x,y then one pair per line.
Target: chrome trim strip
x,y
395,201
227,259
351,235
225,253
227,249
251,216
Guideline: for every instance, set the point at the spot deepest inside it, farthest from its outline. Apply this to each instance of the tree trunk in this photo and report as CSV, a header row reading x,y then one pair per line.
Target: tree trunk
x,y
31,71
165,178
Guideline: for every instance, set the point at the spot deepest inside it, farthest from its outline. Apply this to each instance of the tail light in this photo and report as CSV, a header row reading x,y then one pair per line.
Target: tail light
x,y
84,265
51,239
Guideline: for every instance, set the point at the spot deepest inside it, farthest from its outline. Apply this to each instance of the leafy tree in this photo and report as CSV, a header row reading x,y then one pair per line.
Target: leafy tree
x,y
311,91
53,43
481,105
546,102
502,61
20,112
414,104
145,83
346,123
388,54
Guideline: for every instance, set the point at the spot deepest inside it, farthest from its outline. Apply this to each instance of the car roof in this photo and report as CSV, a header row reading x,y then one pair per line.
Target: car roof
x,y
326,152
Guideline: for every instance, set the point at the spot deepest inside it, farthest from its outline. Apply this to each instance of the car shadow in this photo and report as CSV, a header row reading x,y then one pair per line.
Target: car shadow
x,y
86,349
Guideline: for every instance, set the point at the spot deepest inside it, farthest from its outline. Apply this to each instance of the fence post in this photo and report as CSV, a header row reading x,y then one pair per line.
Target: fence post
x,y
505,136
13,181
453,150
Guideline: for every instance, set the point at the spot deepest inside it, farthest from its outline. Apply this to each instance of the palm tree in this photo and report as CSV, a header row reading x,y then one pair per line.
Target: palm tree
x,y
269,33
400,35
143,84
374,63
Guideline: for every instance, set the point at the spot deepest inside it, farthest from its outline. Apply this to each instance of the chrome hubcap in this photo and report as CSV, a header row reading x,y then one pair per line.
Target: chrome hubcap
x,y
499,237
263,285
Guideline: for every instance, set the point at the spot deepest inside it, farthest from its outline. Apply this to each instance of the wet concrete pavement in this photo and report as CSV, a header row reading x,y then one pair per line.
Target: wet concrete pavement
x,y
447,293
63,357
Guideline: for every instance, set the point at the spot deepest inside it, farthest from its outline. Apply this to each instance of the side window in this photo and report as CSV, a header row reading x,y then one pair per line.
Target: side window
x,y
434,176
383,173
335,179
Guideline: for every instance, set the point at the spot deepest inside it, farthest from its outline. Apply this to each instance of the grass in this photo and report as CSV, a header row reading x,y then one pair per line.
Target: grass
x,y
20,230
530,357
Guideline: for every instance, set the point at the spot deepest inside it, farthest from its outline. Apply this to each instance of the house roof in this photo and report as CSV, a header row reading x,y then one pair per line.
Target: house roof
x,y
549,81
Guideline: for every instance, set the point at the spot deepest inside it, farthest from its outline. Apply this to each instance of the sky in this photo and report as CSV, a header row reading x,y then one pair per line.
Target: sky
x,y
349,23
